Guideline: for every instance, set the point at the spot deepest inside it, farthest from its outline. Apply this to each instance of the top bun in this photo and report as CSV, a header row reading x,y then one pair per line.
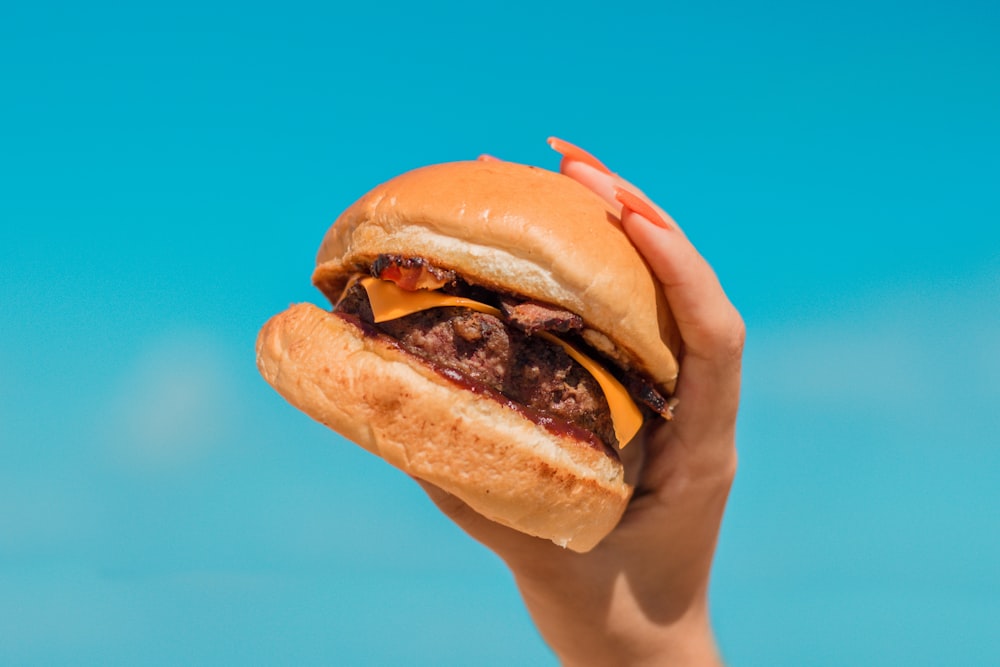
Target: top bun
x,y
520,230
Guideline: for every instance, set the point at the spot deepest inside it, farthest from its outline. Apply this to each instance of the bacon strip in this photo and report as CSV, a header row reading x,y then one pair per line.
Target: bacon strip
x,y
411,273
532,316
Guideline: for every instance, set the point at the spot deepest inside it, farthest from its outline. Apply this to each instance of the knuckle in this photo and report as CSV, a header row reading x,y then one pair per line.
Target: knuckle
x,y
731,336
731,466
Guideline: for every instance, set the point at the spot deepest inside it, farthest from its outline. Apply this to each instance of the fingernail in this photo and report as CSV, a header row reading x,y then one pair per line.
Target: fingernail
x,y
571,152
488,158
637,204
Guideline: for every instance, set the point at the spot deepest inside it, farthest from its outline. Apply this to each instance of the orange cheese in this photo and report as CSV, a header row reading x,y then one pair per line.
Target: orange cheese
x,y
389,302
625,414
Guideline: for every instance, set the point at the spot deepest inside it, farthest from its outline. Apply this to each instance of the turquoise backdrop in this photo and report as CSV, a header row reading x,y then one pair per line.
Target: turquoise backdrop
x,y
167,171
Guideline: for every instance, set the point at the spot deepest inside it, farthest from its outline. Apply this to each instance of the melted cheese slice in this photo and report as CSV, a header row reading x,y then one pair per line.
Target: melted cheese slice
x,y
389,302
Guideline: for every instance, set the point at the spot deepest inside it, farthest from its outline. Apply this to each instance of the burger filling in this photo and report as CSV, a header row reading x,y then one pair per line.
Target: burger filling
x,y
509,349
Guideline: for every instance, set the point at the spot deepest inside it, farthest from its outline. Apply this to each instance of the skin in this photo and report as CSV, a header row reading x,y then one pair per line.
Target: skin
x,y
641,596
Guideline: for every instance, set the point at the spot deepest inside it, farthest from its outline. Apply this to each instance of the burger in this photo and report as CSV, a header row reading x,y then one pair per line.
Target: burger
x,y
492,332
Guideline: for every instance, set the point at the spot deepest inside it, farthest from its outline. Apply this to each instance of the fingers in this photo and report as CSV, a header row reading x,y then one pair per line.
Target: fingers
x,y
712,332
606,184
602,184
711,328
577,154
709,323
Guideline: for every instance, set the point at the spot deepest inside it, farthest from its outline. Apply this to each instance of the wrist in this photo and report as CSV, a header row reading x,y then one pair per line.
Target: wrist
x,y
685,642
621,632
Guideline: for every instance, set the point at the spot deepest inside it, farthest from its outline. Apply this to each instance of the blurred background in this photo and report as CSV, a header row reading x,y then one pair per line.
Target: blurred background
x,y
167,172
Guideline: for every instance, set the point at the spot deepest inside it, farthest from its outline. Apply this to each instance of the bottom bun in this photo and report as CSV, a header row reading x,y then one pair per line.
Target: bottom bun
x,y
501,463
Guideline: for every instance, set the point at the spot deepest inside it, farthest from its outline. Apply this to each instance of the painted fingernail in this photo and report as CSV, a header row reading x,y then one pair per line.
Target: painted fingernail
x,y
569,151
634,202
488,158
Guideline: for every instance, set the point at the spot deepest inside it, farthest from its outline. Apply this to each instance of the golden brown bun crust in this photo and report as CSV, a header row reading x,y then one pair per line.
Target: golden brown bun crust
x,y
518,229
503,465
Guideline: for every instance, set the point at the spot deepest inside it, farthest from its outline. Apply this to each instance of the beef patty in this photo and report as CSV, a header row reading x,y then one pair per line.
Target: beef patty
x,y
489,351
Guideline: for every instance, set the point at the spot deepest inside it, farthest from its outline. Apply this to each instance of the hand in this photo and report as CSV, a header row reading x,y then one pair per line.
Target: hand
x,y
640,596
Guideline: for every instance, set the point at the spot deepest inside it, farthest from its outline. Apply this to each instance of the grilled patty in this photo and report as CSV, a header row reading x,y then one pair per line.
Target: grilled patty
x,y
490,351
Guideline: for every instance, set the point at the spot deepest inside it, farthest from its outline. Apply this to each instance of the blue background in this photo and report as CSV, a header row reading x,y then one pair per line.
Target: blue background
x,y
166,175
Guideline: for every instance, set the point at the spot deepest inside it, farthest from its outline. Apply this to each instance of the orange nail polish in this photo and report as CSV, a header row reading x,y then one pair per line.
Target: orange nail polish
x,y
571,152
637,204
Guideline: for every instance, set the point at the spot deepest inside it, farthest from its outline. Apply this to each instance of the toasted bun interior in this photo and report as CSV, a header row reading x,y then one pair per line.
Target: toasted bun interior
x,y
503,465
